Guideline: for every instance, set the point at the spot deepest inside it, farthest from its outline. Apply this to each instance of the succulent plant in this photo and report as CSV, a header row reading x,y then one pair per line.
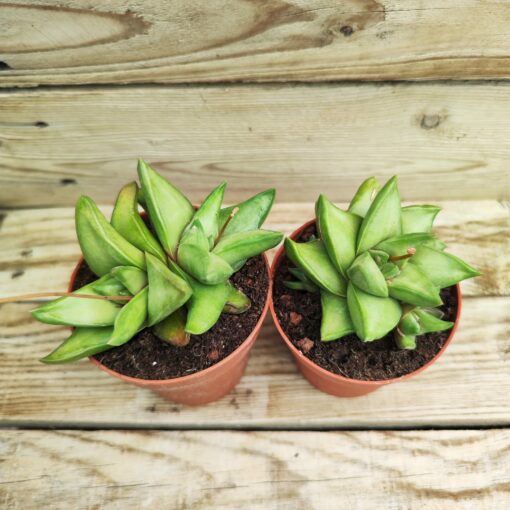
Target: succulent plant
x,y
377,266
173,277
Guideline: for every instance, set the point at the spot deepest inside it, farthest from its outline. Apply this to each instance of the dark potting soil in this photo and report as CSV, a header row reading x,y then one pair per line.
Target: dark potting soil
x,y
148,357
299,313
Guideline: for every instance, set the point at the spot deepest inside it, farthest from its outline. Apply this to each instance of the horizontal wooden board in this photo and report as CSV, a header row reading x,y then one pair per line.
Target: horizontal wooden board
x,y
76,42
432,470
445,141
38,250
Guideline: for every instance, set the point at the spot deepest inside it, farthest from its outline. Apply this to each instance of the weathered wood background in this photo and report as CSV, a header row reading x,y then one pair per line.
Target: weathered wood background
x,y
86,89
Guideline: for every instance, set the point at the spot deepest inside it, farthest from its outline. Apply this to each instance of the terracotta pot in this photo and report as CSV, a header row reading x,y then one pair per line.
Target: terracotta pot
x,y
327,381
204,386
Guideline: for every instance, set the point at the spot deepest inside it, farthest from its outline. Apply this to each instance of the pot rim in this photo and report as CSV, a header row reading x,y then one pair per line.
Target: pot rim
x,y
303,359
200,373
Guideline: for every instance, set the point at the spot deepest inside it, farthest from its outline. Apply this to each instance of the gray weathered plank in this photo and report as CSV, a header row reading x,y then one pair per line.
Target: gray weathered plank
x,y
433,470
445,141
116,41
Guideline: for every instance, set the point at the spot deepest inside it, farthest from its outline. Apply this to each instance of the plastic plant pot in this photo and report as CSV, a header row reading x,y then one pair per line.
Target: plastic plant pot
x,y
207,385
327,381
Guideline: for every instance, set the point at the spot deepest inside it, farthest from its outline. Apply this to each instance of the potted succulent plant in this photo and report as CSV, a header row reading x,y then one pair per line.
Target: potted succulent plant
x,y
367,296
173,299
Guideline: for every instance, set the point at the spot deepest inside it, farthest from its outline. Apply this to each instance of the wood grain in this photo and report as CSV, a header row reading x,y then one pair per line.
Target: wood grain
x,y
445,141
38,249
432,470
50,42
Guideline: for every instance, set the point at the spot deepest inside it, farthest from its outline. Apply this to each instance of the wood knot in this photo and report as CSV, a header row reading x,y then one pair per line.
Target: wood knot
x,y
430,121
347,30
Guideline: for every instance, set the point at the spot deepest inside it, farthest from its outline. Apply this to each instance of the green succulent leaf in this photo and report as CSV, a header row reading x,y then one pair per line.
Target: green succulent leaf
x,y
413,286
237,248
338,230
170,211
130,319
399,245
373,317
313,259
409,324
237,302
380,257
390,270
300,286
250,214
383,218
367,276
443,269
167,291
336,321
70,311
208,213
364,197
171,329
405,341
132,278
304,281
195,258
127,221
435,243
102,246
111,286
418,218
83,342
430,323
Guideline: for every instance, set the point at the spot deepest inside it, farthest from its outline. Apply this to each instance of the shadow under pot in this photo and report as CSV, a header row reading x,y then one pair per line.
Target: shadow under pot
x,y
348,367
206,369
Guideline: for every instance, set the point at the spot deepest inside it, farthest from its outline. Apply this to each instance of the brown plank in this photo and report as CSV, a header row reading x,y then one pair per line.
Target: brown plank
x,y
45,42
445,141
436,470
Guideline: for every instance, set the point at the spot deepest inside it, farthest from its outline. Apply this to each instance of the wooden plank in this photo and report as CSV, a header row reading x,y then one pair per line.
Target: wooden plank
x,y
434,470
45,42
445,141
38,246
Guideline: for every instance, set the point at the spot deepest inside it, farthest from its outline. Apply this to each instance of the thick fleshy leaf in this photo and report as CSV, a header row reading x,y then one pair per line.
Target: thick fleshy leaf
x,y
435,243
364,197
390,270
250,214
303,280
70,311
399,245
405,341
206,303
237,302
195,258
102,246
429,323
132,278
169,210
313,259
338,231
336,321
373,317
413,286
83,342
111,286
167,291
171,329
298,285
367,276
131,319
208,213
127,221
383,219
418,218
380,257
409,324
443,269
239,247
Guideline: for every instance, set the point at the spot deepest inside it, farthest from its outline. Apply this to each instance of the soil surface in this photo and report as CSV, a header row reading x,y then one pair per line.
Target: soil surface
x,y
148,357
299,313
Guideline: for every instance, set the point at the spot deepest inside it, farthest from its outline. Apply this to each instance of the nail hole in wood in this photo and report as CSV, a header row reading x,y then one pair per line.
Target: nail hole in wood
x,y
4,66
41,124
17,274
347,30
26,253
68,182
